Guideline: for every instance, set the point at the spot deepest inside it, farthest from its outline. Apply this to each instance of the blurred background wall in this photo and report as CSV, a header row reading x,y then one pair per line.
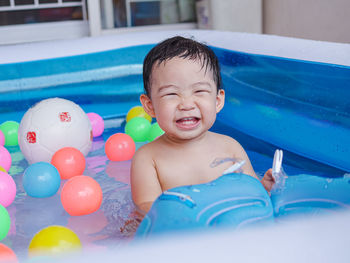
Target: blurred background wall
x,y
327,20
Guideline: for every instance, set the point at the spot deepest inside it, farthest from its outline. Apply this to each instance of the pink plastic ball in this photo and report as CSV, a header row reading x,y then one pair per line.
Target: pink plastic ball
x,y
120,147
5,158
69,162
2,138
7,189
81,195
97,124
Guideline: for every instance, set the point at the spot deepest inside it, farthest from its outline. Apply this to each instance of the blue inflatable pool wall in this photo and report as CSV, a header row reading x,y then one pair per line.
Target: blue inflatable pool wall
x,y
299,106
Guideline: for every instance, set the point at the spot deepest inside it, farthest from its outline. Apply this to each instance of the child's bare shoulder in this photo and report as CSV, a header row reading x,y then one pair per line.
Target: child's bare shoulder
x,y
225,139
146,151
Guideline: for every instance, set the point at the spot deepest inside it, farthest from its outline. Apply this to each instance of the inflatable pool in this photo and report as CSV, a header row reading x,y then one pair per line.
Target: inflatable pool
x,y
281,93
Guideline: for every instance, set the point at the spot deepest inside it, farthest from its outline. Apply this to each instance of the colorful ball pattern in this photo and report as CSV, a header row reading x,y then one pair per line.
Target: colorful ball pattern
x,y
10,131
7,189
54,241
138,129
2,169
137,111
154,132
5,158
69,162
41,180
5,222
81,195
97,124
7,255
120,147
53,124
2,138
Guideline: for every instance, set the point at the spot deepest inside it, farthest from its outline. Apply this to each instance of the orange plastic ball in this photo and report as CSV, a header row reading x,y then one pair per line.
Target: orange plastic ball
x,y
69,162
120,147
81,195
7,254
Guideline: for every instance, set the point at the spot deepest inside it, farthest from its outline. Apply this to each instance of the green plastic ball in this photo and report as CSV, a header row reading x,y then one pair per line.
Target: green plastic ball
x,y
137,128
5,222
154,132
10,131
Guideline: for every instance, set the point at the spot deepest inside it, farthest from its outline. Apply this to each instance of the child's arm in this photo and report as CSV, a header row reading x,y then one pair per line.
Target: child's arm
x,y
240,153
145,187
267,181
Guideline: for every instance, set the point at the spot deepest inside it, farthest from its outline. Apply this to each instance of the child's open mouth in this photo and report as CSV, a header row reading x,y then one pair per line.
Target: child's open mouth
x,y
187,123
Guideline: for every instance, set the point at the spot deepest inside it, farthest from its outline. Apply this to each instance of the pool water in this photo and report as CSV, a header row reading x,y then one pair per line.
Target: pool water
x,y
115,223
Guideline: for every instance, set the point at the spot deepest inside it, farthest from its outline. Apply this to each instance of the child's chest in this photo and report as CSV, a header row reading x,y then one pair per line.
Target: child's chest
x,y
192,167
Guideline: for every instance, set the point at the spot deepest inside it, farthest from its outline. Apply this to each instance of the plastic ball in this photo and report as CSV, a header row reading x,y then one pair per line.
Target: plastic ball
x,y
81,195
41,180
2,138
53,124
7,189
137,111
120,147
69,162
97,124
5,222
54,241
5,158
7,254
10,131
2,169
154,132
138,129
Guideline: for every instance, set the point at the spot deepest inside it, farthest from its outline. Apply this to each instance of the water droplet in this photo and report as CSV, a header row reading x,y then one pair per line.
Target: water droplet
x,y
329,180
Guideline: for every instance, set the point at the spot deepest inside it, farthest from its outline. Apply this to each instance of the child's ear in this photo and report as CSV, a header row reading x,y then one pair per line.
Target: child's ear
x,y
220,100
147,105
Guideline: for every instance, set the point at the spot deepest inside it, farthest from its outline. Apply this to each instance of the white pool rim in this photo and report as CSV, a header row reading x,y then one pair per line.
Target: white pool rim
x,y
286,47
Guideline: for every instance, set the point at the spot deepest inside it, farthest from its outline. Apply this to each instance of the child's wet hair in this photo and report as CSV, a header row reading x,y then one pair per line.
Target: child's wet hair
x,y
184,48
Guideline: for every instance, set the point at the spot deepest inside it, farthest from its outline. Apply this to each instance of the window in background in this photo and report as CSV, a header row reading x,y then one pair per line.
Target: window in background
x,y
16,12
132,13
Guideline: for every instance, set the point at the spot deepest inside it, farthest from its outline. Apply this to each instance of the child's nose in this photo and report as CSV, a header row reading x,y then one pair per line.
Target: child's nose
x,y
186,103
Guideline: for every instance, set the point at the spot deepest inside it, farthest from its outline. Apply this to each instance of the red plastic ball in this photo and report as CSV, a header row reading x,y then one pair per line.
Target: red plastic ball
x,y
7,254
69,162
81,195
120,147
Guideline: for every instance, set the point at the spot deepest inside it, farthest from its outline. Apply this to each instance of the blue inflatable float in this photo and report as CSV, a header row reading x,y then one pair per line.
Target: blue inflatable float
x,y
238,200
307,194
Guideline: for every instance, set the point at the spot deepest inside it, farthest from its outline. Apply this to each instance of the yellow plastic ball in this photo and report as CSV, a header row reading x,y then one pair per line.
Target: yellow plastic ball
x,y
137,111
54,241
2,169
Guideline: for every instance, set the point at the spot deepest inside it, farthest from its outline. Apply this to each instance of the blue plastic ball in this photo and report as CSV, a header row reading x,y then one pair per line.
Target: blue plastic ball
x,y
41,180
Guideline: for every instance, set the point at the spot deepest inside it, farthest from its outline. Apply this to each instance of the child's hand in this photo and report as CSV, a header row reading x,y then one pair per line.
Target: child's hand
x,y
268,180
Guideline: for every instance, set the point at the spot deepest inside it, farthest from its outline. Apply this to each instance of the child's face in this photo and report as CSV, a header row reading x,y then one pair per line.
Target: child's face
x,y
184,98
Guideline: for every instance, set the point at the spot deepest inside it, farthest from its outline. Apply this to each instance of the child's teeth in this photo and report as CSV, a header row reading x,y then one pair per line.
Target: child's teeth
x,y
187,120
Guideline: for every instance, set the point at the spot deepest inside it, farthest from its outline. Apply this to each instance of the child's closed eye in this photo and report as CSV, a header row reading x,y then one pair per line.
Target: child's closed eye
x,y
170,94
202,91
